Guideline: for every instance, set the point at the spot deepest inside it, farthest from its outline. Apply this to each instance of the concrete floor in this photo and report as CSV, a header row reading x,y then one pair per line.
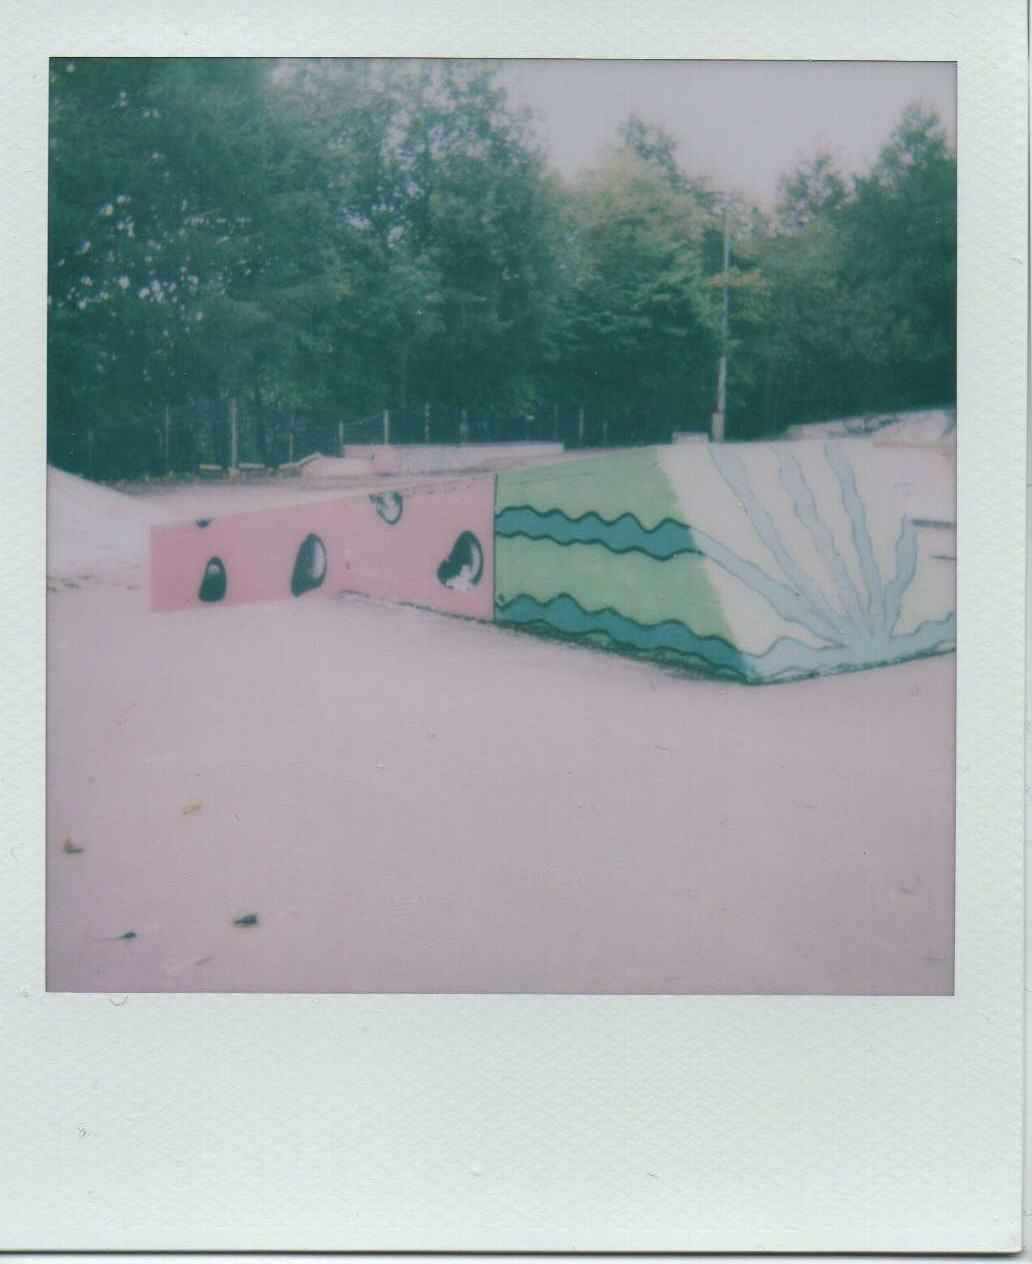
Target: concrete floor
x,y
409,803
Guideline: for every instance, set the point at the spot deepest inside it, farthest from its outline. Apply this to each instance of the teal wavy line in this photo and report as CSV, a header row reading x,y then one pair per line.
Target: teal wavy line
x,y
625,534
865,624
666,540
787,658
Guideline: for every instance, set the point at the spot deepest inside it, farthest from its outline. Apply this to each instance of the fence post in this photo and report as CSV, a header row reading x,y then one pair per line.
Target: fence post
x,y
290,441
580,428
555,422
426,422
168,450
386,426
605,432
232,433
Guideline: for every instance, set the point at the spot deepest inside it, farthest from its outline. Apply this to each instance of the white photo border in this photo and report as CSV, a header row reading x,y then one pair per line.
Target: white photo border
x,y
523,1123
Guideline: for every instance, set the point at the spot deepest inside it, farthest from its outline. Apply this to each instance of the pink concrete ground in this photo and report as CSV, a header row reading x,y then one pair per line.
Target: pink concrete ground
x,y
412,803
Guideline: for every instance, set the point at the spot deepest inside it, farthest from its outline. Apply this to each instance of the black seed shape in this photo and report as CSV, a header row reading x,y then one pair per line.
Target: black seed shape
x,y
213,585
389,505
464,565
203,522
309,566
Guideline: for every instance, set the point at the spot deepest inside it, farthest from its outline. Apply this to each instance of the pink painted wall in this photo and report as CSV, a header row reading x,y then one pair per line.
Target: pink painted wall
x,y
366,554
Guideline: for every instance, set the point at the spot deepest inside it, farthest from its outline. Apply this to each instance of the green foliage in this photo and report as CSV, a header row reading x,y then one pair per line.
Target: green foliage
x,y
342,236
189,246
899,245
863,285
642,322
812,193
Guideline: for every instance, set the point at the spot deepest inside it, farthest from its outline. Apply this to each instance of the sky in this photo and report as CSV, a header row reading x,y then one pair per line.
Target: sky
x,y
739,123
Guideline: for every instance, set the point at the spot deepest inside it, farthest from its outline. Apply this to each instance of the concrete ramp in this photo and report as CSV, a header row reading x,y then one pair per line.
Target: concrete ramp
x,y
926,426
758,562
762,562
429,547
445,458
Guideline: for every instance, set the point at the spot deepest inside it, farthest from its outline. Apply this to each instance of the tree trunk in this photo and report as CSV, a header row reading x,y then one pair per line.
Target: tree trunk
x,y
403,374
259,425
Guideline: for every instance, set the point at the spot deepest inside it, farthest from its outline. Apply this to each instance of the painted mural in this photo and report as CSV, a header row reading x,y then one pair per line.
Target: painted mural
x,y
762,562
758,562
424,547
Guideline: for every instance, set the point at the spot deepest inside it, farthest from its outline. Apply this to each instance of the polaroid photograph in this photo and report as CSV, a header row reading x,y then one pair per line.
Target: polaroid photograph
x,y
621,452
533,569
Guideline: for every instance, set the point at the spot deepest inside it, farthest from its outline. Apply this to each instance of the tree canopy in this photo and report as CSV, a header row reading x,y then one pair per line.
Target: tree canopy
x,y
338,237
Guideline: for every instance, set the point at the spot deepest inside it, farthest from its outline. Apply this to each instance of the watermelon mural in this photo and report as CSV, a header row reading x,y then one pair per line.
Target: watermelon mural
x,y
756,562
422,546
762,562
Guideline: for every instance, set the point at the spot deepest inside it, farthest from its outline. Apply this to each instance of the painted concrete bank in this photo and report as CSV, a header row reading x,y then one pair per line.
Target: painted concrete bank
x,y
760,562
429,547
919,426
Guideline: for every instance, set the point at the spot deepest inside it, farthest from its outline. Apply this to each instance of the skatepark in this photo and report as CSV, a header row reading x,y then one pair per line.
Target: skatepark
x,y
348,790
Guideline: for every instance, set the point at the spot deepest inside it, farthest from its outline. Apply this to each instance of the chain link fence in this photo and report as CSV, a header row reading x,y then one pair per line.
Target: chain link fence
x,y
210,436
570,425
216,436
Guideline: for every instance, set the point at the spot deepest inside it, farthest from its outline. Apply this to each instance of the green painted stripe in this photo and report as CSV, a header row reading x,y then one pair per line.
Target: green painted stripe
x,y
639,587
610,485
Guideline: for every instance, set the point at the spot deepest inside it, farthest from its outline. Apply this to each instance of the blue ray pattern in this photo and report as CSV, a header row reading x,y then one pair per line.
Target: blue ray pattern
x,y
853,505
861,633
786,659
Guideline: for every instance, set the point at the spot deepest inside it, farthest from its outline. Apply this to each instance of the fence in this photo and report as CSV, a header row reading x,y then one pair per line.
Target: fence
x,y
225,434
233,433
571,425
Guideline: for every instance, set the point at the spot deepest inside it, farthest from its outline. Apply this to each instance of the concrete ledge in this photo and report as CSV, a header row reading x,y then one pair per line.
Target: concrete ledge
x,y
434,458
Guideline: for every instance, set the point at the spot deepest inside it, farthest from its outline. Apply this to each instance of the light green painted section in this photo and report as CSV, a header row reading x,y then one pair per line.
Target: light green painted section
x,y
800,558
609,485
639,587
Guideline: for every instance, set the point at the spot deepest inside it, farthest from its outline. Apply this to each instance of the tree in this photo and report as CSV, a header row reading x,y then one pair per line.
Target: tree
x,y
862,284
452,222
655,146
189,248
899,263
334,237
644,323
810,194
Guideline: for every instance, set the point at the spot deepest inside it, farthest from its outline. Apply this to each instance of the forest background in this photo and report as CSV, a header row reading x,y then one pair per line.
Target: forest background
x,y
323,241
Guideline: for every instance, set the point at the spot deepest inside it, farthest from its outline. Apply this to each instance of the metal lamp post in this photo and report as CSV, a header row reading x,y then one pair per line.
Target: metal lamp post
x,y
718,418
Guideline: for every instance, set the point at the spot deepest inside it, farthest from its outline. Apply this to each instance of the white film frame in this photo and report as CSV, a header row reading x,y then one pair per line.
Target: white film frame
x,y
522,1123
